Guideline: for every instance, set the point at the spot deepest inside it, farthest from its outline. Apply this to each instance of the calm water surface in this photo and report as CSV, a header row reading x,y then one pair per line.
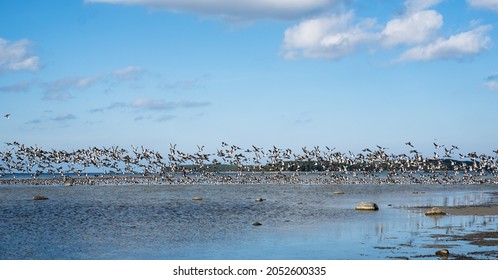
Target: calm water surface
x,y
298,221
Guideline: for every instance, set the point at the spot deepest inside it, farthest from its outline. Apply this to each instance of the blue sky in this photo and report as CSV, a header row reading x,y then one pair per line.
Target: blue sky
x,y
346,74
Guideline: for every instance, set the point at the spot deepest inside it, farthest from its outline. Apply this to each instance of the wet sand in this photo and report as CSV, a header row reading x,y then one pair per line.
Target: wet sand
x,y
482,238
477,210
486,241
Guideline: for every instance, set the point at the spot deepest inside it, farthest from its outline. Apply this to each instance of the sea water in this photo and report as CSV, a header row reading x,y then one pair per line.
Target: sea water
x,y
305,222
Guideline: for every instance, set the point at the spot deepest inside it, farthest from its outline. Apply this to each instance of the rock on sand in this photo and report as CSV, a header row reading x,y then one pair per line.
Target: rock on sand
x,y
370,206
435,211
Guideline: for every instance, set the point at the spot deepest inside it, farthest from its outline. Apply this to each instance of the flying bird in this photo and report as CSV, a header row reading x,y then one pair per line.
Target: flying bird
x,y
7,116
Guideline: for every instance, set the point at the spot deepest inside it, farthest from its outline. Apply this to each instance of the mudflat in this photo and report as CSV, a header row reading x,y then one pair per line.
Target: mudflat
x,y
476,210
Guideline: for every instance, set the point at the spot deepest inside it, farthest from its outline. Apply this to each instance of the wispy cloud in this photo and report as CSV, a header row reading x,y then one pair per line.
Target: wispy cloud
x,y
73,83
61,89
160,104
152,104
128,73
484,4
115,105
491,82
64,88
35,121
188,84
64,117
16,56
166,118
148,104
59,96
414,6
237,10
22,86
492,85
193,104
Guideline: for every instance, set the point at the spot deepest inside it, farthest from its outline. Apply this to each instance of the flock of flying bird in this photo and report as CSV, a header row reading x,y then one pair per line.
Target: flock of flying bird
x,y
254,165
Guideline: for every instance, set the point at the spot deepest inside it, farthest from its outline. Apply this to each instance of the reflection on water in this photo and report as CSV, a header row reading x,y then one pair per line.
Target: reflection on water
x,y
298,222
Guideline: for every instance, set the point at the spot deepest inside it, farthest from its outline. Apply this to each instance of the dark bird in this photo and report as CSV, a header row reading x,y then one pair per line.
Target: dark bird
x,y
7,116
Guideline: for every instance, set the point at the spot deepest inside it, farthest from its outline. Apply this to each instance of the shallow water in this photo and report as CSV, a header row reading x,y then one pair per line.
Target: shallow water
x,y
298,221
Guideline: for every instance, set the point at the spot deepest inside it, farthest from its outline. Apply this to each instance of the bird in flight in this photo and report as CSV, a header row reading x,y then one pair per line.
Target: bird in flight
x,y
409,144
7,116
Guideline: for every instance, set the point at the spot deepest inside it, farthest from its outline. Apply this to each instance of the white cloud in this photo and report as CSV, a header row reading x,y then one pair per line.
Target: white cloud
x,y
457,46
15,56
240,9
415,32
484,4
331,37
412,29
335,36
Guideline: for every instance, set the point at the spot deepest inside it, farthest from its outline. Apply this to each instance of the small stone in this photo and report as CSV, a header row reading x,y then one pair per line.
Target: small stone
x,y
196,198
260,199
257,224
444,253
339,192
435,211
40,197
370,206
